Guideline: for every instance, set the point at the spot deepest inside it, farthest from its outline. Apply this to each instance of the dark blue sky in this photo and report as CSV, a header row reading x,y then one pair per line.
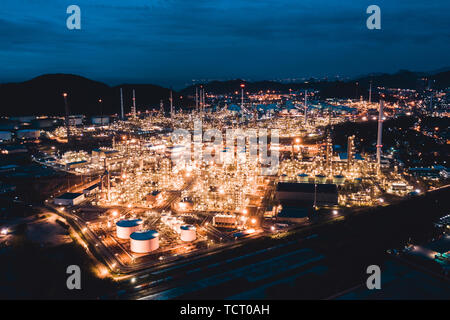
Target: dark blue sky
x,y
171,42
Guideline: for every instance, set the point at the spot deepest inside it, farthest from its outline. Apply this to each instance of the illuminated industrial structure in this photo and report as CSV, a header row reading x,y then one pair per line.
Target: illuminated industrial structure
x,y
154,182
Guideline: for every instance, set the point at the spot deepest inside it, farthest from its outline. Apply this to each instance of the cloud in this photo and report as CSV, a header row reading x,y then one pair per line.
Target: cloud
x,y
185,39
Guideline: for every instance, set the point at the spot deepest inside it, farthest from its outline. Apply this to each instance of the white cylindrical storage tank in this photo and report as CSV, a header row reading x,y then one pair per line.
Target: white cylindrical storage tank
x,y
303,177
339,179
144,241
125,228
188,233
320,178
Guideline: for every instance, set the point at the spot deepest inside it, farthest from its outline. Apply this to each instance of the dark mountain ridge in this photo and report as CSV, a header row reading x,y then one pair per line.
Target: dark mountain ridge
x,y
43,95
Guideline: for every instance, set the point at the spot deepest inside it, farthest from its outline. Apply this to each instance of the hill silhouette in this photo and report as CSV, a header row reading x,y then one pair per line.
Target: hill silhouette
x,y
43,96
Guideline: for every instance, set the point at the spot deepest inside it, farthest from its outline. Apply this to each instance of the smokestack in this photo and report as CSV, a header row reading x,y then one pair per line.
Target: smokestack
x,y
196,99
370,92
242,96
133,109
202,93
121,104
306,104
329,153
204,100
350,151
171,104
380,129
66,107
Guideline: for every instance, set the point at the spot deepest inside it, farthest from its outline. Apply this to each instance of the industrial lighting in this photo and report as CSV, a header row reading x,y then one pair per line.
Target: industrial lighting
x,y
335,212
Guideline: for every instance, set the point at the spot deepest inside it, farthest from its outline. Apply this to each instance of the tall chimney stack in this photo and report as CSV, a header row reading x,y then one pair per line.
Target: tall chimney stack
x,y
133,108
121,104
306,104
66,107
379,136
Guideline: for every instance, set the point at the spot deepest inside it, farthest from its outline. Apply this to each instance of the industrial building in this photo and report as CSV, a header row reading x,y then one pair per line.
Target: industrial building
x,y
92,189
69,199
28,134
124,228
307,193
153,197
224,221
144,241
42,123
100,120
13,149
76,120
75,164
294,214
5,135
184,205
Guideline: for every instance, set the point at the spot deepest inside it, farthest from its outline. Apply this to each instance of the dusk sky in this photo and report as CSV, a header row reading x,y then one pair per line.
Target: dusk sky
x,y
171,42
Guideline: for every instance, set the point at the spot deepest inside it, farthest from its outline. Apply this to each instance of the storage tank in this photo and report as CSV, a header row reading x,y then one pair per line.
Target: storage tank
x,y
303,177
125,228
188,232
144,241
339,179
184,205
320,178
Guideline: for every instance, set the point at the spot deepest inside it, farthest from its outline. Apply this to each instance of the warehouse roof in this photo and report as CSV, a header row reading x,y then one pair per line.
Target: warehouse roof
x,y
294,212
306,187
69,196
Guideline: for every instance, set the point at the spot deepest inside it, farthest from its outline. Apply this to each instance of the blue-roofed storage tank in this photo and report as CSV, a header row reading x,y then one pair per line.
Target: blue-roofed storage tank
x,y
320,178
188,233
339,179
144,241
125,228
303,177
